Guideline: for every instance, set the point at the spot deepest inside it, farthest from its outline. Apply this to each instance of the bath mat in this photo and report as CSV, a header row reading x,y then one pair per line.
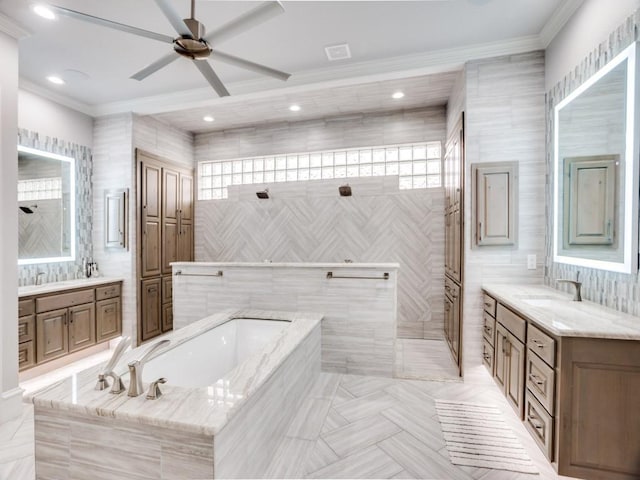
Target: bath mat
x,y
477,436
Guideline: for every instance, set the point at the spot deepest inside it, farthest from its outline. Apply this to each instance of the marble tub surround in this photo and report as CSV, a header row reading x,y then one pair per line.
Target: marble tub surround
x,y
54,287
359,326
237,421
556,312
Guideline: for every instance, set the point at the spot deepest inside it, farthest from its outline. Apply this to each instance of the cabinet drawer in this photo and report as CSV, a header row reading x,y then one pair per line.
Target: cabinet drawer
x,y
26,328
109,291
25,355
487,356
542,344
540,424
541,381
64,300
450,288
167,290
489,328
26,307
490,305
512,322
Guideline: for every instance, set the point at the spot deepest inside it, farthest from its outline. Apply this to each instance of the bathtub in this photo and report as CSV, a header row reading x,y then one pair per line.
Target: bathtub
x,y
208,357
234,382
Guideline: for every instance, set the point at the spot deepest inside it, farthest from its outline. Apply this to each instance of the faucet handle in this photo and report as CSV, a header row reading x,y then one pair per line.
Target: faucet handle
x,y
154,389
118,385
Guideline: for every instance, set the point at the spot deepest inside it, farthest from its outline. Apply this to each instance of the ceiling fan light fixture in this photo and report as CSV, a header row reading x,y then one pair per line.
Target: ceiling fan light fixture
x,y
43,11
191,48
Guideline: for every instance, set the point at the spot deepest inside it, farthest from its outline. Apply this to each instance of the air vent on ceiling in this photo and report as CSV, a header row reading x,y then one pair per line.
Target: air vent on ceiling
x,y
338,52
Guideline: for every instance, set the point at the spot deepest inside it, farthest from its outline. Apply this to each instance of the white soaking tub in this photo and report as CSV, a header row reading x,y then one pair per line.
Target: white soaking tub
x,y
206,358
234,382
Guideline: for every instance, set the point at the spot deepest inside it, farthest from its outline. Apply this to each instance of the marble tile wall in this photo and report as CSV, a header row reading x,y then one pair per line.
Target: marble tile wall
x,y
60,271
310,222
359,325
505,121
614,290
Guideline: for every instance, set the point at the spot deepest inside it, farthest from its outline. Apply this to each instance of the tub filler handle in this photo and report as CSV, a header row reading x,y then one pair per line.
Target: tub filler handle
x,y
135,368
154,392
103,383
179,273
385,276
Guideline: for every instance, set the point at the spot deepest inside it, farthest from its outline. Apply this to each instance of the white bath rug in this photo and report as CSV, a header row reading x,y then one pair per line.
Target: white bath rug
x,y
477,436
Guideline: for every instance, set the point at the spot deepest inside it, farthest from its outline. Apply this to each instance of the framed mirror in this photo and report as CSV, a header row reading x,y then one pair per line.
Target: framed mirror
x,y
596,170
46,202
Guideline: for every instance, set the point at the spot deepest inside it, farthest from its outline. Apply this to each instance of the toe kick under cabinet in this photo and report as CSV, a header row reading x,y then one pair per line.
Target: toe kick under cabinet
x,y
53,325
578,395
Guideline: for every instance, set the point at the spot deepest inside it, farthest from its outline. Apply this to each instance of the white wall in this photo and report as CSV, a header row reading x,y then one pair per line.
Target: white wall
x,y
10,394
590,25
51,119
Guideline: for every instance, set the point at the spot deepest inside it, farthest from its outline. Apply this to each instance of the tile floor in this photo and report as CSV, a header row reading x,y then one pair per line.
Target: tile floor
x,y
351,427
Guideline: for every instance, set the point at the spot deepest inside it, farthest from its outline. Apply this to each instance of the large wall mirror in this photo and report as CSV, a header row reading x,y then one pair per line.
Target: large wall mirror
x,y
46,202
596,170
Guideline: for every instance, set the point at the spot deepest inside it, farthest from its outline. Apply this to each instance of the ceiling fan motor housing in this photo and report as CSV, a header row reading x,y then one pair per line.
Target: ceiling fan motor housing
x,y
194,47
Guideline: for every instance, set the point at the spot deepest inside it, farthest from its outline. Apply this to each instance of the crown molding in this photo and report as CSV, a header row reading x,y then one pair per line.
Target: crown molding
x,y
9,26
558,20
63,100
362,72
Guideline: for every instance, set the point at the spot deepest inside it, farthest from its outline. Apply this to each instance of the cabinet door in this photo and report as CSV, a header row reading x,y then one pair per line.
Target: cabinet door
x,y
151,312
82,326
515,380
167,317
186,198
501,359
455,328
108,319
185,242
151,219
448,312
51,333
170,217
495,203
26,358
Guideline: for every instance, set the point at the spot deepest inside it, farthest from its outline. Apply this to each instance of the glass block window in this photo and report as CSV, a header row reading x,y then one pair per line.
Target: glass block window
x,y
417,166
39,189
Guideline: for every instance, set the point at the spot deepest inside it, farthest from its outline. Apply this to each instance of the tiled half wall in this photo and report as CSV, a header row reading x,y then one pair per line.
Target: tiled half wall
x,y
310,222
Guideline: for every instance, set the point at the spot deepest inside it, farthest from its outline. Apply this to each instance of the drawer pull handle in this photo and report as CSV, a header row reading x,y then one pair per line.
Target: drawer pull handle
x,y
487,329
538,343
534,423
486,356
487,304
534,379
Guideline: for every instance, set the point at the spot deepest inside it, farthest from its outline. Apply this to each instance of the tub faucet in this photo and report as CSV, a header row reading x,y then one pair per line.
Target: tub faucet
x,y
107,371
135,368
577,297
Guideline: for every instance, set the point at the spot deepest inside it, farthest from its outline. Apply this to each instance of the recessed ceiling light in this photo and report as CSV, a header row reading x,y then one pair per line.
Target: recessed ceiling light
x,y
208,118
397,95
295,108
56,80
337,52
44,12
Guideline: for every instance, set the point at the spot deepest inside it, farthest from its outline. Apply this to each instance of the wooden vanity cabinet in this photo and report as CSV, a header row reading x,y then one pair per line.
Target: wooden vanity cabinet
x,y
56,324
510,356
452,310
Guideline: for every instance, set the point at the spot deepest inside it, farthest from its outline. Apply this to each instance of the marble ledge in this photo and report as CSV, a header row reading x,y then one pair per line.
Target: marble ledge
x,y
31,290
554,311
203,410
353,265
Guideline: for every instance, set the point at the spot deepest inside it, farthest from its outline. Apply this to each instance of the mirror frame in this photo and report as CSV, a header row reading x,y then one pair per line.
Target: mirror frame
x,y
631,193
72,207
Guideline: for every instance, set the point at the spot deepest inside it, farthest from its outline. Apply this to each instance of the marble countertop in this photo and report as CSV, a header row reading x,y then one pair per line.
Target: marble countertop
x,y
29,290
202,410
555,312
354,265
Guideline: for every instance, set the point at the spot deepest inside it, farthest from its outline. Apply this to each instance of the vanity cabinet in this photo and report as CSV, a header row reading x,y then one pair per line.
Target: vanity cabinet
x,y
452,309
510,365
53,325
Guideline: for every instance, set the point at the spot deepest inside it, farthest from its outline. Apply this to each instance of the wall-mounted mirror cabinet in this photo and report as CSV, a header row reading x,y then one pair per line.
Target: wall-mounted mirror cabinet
x,y
596,170
46,202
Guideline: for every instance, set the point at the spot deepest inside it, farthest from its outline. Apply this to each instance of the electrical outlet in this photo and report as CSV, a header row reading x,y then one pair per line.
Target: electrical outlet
x,y
531,262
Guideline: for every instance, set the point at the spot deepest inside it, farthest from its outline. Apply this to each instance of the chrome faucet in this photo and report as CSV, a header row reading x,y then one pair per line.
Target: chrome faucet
x,y
135,368
39,277
577,297
107,371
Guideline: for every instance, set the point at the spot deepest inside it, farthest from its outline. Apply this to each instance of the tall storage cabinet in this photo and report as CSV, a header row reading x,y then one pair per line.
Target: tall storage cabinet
x,y
165,212
454,214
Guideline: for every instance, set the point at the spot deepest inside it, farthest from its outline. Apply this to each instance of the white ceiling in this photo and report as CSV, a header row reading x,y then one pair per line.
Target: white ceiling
x,y
389,40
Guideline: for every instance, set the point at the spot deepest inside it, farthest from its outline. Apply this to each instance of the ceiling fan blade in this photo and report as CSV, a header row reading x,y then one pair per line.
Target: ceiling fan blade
x,y
254,67
109,24
253,17
155,66
211,77
174,18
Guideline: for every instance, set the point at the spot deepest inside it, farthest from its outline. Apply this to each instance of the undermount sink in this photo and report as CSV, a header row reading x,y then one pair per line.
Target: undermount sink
x,y
541,302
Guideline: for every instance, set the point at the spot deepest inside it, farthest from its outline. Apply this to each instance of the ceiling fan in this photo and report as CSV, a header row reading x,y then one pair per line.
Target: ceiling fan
x,y
192,42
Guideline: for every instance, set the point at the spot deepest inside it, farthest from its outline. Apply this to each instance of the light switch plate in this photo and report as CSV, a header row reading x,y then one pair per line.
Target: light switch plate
x,y
531,262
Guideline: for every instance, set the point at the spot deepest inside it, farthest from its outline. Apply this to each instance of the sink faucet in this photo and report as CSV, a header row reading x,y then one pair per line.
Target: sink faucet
x,y
107,371
39,277
135,368
577,297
